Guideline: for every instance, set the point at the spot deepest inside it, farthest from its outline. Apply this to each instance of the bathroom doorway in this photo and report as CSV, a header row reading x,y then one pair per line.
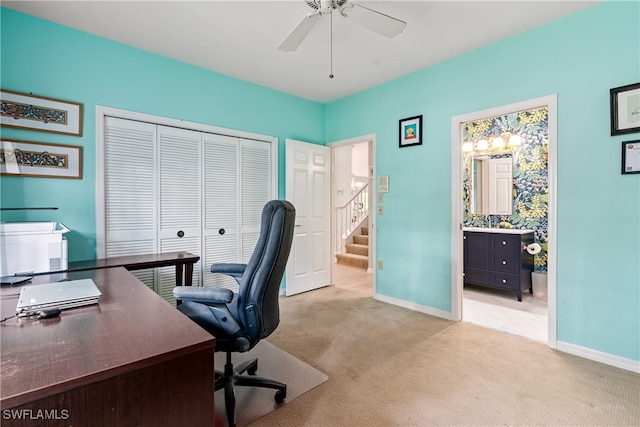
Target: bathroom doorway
x,y
525,134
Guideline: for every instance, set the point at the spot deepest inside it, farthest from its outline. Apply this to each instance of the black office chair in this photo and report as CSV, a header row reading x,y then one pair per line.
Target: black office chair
x,y
240,320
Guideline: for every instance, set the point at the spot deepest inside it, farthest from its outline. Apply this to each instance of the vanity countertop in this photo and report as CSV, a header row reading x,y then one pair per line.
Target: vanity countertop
x,y
497,230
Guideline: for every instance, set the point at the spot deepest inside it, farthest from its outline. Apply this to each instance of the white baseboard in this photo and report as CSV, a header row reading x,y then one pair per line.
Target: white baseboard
x,y
598,356
415,307
587,353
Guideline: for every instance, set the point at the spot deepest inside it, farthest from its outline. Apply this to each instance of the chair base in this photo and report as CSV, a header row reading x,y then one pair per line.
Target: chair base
x,y
232,377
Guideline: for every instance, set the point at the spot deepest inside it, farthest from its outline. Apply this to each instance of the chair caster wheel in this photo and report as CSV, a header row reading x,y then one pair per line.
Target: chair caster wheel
x,y
280,396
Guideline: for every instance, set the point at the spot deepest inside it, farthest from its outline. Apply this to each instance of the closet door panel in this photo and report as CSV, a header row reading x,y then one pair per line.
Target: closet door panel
x,y
179,193
170,189
220,249
255,170
130,190
221,185
167,275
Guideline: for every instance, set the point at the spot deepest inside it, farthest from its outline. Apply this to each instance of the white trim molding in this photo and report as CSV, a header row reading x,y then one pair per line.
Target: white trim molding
x,y
551,102
415,307
598,356
371,138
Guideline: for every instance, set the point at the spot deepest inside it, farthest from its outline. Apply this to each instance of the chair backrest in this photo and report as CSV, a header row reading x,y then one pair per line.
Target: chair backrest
x,y
260,284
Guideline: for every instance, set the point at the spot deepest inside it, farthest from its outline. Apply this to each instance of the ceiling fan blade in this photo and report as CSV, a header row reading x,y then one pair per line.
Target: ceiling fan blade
x,y
300,32
375,21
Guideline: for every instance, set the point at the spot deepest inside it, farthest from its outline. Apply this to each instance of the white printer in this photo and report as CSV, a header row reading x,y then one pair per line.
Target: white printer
x,y
32,247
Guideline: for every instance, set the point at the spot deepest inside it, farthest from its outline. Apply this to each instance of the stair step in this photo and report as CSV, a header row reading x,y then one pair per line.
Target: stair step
x,y
361,240
364,231
353,259
354,248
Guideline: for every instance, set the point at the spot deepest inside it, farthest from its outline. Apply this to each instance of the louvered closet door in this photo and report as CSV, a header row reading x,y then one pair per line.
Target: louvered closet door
x,y
255,163
221,195
237,184
130,190
179,193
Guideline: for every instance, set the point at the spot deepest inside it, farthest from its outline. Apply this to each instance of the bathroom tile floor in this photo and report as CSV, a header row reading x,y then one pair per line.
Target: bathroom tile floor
x,y
501,311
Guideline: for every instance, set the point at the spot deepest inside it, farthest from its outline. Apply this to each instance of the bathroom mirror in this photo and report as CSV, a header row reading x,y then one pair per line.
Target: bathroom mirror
x,y
491,184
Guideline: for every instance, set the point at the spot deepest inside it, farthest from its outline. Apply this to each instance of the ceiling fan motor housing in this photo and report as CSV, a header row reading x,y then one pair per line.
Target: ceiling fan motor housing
x,y
325,6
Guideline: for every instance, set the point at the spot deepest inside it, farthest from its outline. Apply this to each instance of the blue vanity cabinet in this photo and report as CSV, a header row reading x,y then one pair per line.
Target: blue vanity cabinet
x,y
498,259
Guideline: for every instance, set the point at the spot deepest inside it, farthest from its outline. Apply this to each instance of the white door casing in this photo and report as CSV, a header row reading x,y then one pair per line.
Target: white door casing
x,y
308,181
551,102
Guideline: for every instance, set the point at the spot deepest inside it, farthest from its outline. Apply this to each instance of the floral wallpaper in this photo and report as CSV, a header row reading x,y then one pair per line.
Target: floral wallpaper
x,y
530,172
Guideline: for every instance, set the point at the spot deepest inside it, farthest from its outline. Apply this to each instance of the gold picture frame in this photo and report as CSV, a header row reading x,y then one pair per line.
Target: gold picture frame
x,y
39,159
26,111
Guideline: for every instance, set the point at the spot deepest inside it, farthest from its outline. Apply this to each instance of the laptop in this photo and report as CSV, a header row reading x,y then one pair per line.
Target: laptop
x,y
62,295
14,280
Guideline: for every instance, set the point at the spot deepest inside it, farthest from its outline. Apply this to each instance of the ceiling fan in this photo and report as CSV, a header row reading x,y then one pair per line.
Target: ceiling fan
x,y
368,18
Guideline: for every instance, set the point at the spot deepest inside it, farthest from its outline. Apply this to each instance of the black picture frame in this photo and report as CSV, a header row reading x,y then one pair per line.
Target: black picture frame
x,y
625,109
631,157
410,131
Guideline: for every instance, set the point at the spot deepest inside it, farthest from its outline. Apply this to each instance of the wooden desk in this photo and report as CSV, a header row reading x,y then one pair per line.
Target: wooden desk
x,y
131,360
139,262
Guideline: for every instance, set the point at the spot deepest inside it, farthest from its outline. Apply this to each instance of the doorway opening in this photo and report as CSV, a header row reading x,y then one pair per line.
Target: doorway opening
x,y
353,222
522,210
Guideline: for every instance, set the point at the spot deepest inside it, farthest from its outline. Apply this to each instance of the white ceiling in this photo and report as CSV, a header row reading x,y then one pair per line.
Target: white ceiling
x,y
240,38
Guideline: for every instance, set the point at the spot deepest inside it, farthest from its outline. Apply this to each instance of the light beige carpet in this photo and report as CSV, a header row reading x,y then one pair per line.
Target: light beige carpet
x,y
389,366
273,363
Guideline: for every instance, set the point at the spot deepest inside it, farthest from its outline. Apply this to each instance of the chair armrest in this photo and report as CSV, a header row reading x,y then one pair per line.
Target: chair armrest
x,y
230,269
203,295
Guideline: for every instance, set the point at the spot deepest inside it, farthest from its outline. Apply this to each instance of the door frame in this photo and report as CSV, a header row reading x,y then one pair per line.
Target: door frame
x,y
371,139
551,102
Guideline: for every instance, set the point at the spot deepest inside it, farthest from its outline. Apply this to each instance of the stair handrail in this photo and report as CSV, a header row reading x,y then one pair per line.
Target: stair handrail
x,y
350,215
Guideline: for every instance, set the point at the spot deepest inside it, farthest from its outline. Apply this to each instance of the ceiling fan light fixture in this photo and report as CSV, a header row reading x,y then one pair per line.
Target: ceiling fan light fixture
x,y
368,18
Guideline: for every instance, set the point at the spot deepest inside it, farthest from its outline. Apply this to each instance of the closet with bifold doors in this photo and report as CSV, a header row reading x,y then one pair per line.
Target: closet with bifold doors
x,y
167,189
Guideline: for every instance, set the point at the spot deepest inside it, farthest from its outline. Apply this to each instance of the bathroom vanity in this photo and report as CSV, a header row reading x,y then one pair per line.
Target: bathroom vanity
x,y
497,258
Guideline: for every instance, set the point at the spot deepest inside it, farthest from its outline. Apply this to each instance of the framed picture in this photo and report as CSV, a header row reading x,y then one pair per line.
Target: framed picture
x,y
625,109
24,158
25,111
411,131
631,157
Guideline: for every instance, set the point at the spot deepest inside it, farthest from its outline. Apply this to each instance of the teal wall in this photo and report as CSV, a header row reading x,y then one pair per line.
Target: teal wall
x,y
50,60
580,58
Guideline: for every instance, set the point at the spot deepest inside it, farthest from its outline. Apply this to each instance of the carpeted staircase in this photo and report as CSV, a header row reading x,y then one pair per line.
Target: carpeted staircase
x,y
356,253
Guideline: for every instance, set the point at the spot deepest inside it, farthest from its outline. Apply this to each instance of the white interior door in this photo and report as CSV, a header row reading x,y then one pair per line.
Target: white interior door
x,y
308,188
500,184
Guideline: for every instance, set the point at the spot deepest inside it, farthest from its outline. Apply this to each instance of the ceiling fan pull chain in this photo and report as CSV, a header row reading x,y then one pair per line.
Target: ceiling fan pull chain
x,y
331,49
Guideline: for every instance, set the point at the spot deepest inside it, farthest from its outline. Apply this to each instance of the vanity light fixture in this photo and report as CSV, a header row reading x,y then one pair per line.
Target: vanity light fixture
x,y
467,147
498,142
515,140
483,144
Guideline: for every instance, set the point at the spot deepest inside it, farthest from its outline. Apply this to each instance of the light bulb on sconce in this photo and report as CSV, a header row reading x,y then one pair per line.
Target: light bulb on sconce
x,y
483,144
515,140
498,142
467,147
